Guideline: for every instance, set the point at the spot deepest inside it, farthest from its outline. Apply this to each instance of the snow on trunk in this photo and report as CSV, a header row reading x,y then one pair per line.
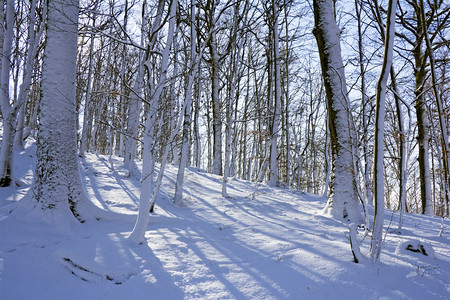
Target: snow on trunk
x,y
134,112
273,175
230,102
439,105
57,188
404,145
187,108
343,201
8,112
33,42
217,118
137,236
380,111
87,101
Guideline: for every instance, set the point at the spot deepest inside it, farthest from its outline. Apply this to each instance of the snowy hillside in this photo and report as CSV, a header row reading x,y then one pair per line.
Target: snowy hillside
x,y
274,245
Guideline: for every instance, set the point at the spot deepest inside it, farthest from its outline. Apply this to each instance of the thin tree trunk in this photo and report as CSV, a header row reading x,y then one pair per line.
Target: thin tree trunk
x,y
217,109
33,42
147,180
365,108
420,73
135,108
8,111
87,102
273,176
378,170
439,104
178,197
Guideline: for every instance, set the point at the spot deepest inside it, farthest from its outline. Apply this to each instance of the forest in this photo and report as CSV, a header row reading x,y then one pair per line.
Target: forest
x,y
344,100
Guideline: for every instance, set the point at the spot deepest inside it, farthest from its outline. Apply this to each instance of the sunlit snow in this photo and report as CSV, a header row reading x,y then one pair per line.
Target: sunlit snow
x,y
275,246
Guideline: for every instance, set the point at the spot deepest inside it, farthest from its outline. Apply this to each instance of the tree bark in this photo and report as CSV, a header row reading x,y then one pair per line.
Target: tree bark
x,y
187,109
439,105
273,174
57,187
378,169
8,111
147,178
343,201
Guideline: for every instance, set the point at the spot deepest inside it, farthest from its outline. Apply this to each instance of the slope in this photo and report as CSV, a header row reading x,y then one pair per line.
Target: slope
x,y
262,243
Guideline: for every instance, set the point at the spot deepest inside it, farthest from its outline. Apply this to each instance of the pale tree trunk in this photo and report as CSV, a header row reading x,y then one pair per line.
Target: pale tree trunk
x,y
87,101
121,139
273,175
327,161
33,42
343,200
187,108
198,142
8,111
403,163
176,125
137,236
287,101
210,15
378,169
135,109
365,107
57,188
231,98
174,108
133,125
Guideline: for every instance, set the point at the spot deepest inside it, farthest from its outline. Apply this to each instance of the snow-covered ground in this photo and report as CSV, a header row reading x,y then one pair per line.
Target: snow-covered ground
x,y
276,245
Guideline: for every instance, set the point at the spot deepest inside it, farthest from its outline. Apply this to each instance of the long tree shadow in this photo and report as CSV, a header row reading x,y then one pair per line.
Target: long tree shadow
x,y
234,263
107,257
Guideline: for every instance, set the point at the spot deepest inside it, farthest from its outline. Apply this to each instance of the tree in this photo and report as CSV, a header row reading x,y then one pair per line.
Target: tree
x,y
32,51
8,110
437,96
57,187
273,175
187,108
343,201
147,178
380,112
214,61
237,41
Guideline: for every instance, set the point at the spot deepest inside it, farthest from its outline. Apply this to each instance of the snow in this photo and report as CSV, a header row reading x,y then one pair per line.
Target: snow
x,y
277,246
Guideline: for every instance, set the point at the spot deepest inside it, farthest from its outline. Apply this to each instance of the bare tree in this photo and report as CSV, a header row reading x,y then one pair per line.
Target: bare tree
x,y
57,187
378,168
343,201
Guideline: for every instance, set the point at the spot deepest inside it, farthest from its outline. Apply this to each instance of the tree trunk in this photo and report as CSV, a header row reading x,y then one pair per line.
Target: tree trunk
x,y
273,175
57,187
365,107
217,108
378,169
423,137
135,108
27,74
187,109
343,201
8,111
87,102
403,162
439,105
147,178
